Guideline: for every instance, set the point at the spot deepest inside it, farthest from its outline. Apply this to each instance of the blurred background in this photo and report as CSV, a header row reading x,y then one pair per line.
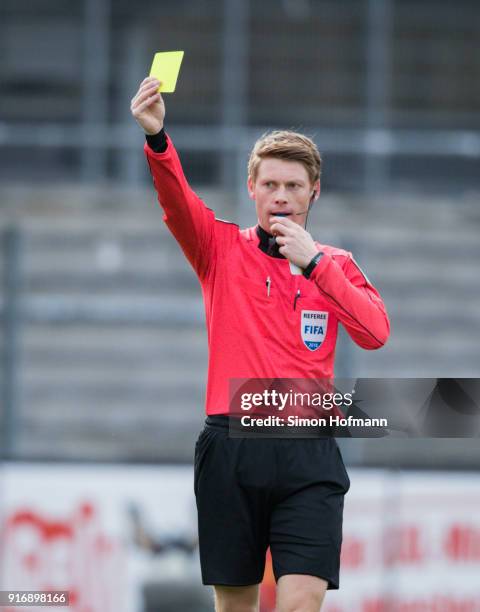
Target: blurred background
x,y
102,336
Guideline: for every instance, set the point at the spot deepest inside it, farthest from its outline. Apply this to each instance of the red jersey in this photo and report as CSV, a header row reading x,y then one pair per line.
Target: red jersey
x,y
263,321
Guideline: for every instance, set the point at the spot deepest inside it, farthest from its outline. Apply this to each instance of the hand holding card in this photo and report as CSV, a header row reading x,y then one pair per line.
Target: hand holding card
x,y
147,106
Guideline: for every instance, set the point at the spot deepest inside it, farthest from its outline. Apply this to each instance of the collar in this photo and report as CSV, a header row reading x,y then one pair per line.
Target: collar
x,y
268,244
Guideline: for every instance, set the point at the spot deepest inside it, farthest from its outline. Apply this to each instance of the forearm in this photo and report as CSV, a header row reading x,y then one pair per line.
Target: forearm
x,y
356,303
187,217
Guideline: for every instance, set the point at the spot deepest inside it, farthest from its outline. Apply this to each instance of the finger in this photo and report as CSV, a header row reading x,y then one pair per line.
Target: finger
x,y
277,229
285,221
281,240
138,110
147,79
145,95
145,91
150,85
281,229
282,222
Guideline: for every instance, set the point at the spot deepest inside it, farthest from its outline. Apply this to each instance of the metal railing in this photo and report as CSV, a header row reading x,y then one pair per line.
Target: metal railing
x,y
370,44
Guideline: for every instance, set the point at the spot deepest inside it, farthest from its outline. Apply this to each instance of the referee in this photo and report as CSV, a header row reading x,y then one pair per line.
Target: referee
x,y
273,301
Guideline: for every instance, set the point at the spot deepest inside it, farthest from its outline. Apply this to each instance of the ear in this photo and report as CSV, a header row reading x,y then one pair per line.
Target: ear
x,y
316,189
250,187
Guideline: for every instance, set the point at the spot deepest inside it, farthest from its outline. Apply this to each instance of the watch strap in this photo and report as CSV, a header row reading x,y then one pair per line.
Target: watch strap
x,y
311,266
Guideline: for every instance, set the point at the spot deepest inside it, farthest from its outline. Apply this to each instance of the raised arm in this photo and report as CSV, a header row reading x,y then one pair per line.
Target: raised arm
x,y
187,217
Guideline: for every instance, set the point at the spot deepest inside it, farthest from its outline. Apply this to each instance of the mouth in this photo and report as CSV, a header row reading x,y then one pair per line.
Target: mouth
x,y
281,214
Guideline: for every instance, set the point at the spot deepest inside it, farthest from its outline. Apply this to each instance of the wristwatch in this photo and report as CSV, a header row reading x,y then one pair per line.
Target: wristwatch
x,y
311,266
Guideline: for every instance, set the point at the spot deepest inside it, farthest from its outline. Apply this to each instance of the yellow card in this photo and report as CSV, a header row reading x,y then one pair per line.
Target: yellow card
x,y
165,68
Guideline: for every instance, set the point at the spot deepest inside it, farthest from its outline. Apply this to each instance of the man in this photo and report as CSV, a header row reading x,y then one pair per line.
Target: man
x,y
261,287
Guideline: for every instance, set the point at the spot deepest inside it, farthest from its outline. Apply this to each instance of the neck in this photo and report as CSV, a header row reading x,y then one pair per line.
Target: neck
x,y
268,244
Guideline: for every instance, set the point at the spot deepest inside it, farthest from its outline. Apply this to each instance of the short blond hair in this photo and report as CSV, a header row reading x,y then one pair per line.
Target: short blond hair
x,y
287,145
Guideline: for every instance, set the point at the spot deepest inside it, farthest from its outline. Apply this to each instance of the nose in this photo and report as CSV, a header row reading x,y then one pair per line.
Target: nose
x,y
280,196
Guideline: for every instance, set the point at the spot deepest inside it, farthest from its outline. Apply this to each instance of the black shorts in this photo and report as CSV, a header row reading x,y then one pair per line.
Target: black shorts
x,y
253,493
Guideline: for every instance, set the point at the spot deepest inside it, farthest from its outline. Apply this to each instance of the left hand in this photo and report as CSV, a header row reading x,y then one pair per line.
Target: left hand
x,y
295,242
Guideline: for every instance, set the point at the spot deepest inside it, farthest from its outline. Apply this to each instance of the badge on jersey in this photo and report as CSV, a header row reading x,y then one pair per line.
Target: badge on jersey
x,y
314,328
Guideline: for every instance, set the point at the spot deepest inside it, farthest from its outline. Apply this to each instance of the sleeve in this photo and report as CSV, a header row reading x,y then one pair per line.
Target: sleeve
x,y
354,300
186,216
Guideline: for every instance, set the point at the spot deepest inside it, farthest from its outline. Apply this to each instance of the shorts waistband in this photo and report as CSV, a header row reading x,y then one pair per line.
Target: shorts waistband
x,y
218,421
